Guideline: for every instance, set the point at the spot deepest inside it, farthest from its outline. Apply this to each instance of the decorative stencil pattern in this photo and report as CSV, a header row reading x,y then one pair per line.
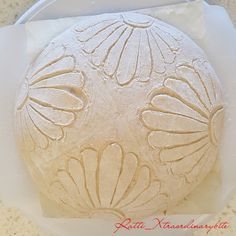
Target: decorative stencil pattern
x,y
107,182
49,99
185,118
118,44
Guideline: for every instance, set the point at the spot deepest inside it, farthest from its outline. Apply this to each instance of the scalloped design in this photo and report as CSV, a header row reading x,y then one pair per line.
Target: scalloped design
x,y
185,118
118,44
106,181
49,99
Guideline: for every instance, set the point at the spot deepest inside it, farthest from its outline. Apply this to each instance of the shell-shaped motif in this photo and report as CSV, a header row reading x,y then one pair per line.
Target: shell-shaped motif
x,y
128,46
108,181
185,118
49,99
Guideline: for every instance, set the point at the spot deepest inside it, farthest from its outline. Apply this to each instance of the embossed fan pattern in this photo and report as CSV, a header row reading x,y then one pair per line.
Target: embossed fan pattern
x,y
112,40
120,116
49,99
107,182
191,99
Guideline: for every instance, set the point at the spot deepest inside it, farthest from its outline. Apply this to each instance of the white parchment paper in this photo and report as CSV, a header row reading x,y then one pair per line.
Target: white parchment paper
x,y
208,26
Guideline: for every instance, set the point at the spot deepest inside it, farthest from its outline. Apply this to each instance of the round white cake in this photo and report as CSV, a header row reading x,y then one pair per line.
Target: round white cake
x,y
120,116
